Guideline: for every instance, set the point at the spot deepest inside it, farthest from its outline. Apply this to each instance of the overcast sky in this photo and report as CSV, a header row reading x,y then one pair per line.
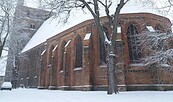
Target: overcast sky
x,y
143,8
31,3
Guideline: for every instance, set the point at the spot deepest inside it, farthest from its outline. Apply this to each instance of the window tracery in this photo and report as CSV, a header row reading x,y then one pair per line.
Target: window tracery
x,y
78,52
62,55
103,48
134,44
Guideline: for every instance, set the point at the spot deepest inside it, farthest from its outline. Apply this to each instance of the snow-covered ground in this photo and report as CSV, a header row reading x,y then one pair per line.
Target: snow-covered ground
x,y
34,95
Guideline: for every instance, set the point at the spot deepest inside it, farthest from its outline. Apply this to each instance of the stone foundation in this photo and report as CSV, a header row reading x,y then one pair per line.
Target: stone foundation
x,y
152,87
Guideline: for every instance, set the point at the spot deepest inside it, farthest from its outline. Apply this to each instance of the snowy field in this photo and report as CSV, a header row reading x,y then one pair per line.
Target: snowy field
x,y
34,95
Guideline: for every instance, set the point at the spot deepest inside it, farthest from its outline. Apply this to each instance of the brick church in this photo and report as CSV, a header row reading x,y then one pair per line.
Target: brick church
x,y
75,59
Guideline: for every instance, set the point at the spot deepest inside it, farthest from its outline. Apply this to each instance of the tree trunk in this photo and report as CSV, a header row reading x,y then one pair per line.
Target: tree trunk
x,y
1,48
112,79
113,23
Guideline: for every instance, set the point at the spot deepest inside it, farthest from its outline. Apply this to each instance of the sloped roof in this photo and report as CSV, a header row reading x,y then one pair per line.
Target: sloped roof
x,y
52,26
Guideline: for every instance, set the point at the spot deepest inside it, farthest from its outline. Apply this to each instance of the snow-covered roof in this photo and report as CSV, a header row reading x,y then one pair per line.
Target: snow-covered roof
x,y
68,42
47,29
52,26
150,28
87,36
55,48
31,3
43,52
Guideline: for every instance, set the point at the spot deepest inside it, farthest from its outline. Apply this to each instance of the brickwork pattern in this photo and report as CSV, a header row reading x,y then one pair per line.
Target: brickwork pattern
x,y
61,73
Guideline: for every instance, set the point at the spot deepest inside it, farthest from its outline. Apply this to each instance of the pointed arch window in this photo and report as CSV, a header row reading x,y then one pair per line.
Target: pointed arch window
x,y
102,48
50,54
62,55
78,52
134,44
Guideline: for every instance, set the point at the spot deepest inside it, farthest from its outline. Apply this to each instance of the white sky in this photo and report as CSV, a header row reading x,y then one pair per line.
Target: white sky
x,y
146,6
31,3
34,95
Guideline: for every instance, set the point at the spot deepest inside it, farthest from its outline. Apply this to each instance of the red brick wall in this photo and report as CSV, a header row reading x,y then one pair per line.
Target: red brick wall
x,y
92,75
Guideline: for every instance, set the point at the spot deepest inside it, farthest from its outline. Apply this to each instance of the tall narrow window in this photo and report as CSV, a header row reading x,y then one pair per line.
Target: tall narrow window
x,y
102,48
50,54
62,54
32,26
134,44
78,52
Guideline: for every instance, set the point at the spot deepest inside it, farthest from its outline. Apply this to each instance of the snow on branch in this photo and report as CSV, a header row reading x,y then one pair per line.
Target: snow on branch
x,y
154,41
107,41
156,45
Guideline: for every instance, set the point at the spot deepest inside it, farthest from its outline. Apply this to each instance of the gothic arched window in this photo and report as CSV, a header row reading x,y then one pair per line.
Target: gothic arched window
x,y
62,54
78,52
102,48
133,44
50,54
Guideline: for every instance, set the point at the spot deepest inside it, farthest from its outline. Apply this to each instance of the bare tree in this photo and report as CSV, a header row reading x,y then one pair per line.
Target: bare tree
x,y
64,7
6,16
163,7
6,9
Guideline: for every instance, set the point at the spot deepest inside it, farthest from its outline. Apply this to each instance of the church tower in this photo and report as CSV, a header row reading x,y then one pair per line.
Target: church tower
x,y
26,22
